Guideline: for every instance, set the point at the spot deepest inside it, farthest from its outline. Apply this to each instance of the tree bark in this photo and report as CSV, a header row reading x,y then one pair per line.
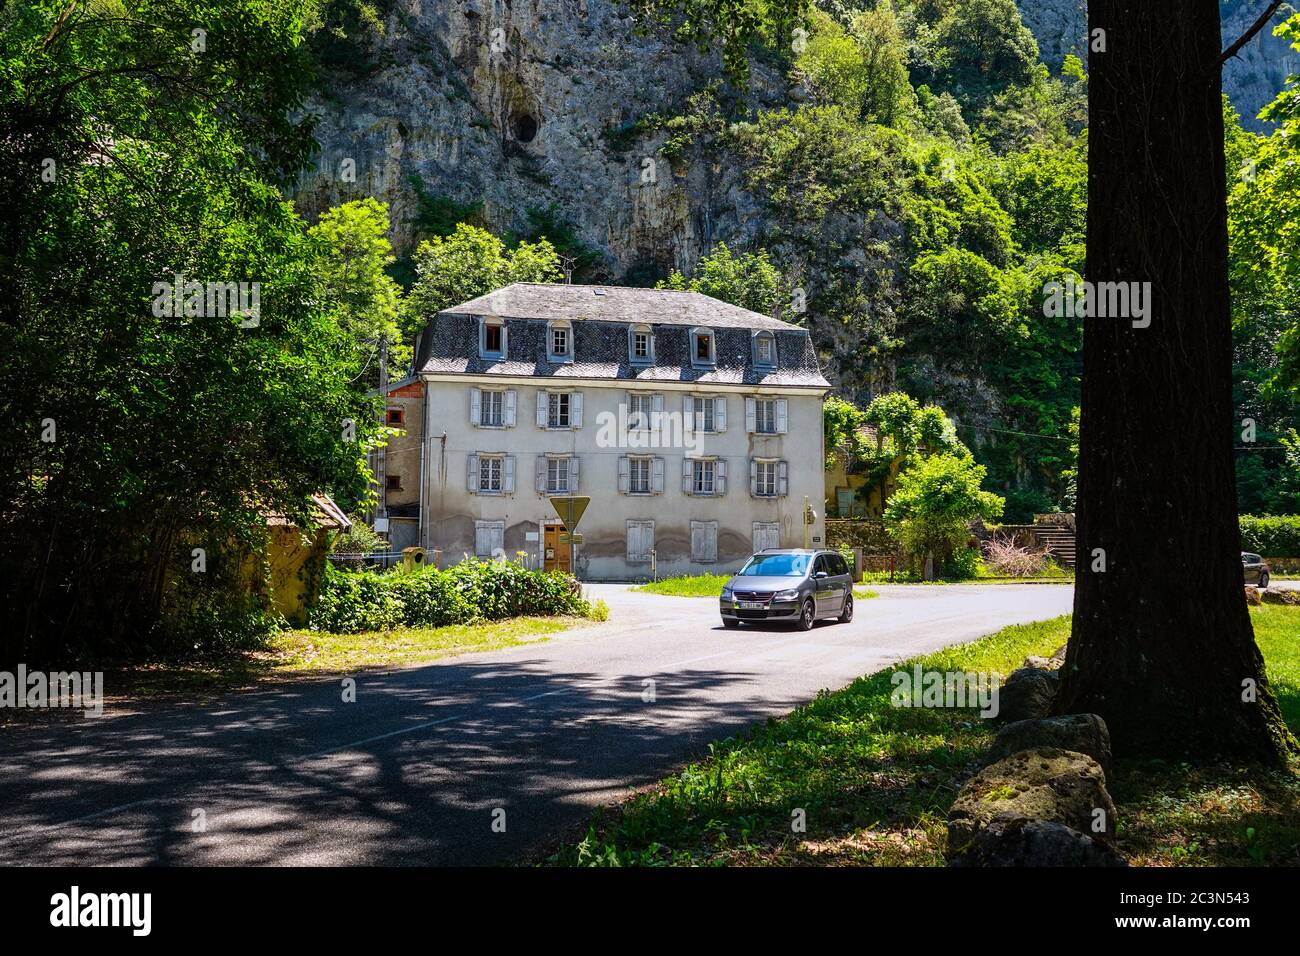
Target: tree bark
x,y
1162,646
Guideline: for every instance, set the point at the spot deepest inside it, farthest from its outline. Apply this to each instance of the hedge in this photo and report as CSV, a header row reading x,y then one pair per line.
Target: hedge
x,y
1274,536
355,601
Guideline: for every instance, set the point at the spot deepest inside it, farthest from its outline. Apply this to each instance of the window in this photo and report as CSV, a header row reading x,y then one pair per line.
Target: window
x,y
557,413
489,474
703,414
704,541
766,416
768,478
765,349
703,347
493,409
640,409
641,346
393,482
767,535
559,342
557,475
640,540
489,539
396,418
845,500
639,476
492,339
703,477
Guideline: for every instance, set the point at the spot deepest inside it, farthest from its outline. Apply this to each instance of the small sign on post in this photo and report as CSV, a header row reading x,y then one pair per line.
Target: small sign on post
x,y
570,508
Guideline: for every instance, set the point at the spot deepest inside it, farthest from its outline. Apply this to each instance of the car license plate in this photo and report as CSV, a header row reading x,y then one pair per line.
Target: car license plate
x,y
751,605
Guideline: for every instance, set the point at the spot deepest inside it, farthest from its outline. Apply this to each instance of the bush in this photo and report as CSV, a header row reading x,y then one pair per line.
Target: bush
x,y
1003,557
963,564
355,601
1275,536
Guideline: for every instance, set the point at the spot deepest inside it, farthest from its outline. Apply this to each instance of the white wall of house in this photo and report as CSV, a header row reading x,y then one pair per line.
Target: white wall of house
x,y
482,481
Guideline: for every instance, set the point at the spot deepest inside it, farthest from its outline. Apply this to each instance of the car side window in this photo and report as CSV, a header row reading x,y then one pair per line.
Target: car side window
x,y
841,566
819,565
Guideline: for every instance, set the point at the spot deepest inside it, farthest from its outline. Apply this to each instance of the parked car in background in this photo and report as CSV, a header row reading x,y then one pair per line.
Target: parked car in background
x,y
790,585
1253,566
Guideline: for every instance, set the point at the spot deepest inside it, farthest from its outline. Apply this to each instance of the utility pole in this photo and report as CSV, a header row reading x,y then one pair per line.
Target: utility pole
x,y
381,462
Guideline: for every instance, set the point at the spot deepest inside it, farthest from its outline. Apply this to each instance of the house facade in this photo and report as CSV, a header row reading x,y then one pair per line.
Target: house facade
x,y
694,426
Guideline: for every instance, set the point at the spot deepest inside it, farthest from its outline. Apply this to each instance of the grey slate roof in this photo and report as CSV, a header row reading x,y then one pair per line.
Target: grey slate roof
x,y
600,326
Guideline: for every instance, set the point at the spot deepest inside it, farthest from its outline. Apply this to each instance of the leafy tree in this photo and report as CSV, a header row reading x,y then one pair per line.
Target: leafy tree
x,y
936,500
982,48
841,422
862,69
473,262
134,151
353,254
748,280
734,24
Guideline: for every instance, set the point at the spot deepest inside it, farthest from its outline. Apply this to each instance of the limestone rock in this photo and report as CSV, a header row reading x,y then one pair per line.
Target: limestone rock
x,y
1080,733
1045,783
1274,596
1035,843
1027,694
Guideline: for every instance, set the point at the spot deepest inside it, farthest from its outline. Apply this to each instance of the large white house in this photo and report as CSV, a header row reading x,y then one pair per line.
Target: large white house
x,y
694,426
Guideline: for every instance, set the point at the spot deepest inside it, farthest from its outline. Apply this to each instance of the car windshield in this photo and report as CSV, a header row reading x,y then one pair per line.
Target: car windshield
x,y
776,566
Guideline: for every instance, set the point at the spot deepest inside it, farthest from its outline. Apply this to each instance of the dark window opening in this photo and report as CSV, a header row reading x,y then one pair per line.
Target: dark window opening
x,y
492,338
393,482
702,352
397,418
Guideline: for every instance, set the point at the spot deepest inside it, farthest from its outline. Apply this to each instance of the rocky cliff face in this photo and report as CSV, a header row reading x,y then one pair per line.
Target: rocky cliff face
x,y
530,104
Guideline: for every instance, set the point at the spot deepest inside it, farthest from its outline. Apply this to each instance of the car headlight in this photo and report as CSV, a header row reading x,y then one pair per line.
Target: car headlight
x,y
791,595
726,593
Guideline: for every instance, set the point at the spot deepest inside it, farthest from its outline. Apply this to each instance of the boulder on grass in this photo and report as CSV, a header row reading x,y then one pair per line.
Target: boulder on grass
x,y
1027,694
1043,663
1045,783
1273,596
1081,733
1035,843
1254,595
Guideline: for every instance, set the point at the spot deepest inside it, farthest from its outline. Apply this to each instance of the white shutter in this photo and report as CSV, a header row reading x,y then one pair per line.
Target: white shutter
x,y
509,414
482,539
688,472
508,475
753,476
475,406
782,478
767,534
720,477
751,415
634,541
624,474
657,476
541,473
710,541
720,414
574,463
657,404
575,410
697,540
471,473
688,413
541,409
782,415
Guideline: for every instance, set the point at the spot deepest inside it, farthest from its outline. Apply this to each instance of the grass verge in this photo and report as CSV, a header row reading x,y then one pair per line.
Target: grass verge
x,y
874,783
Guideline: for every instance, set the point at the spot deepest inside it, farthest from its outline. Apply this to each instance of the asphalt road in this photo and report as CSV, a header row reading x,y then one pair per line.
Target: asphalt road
x,y
419,768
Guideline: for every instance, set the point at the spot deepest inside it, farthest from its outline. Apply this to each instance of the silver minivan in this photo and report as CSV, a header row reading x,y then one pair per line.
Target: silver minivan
x,y
792,585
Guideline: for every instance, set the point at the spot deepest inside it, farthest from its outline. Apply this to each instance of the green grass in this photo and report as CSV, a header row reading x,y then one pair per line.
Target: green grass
x,y
688,585
710,585
875,782
298,654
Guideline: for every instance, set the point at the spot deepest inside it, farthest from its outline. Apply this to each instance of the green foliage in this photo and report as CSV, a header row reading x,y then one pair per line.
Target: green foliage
x,y
358,539
733,25
935,502
172,432
964,564
862,69
841,424
748,280
351,602
979,48
473,262
1274,536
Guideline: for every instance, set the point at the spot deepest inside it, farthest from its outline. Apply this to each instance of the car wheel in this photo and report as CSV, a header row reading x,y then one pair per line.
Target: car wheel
x,y
1263,579
846,614
730,623
809,616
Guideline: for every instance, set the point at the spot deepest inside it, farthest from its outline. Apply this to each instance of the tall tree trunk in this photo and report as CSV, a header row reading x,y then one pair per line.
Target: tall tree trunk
x,y
1162,645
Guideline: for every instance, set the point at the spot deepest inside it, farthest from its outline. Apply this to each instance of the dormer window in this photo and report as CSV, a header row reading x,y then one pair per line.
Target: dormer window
x,y
491,338
764,350
703,347
641,345
559,342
